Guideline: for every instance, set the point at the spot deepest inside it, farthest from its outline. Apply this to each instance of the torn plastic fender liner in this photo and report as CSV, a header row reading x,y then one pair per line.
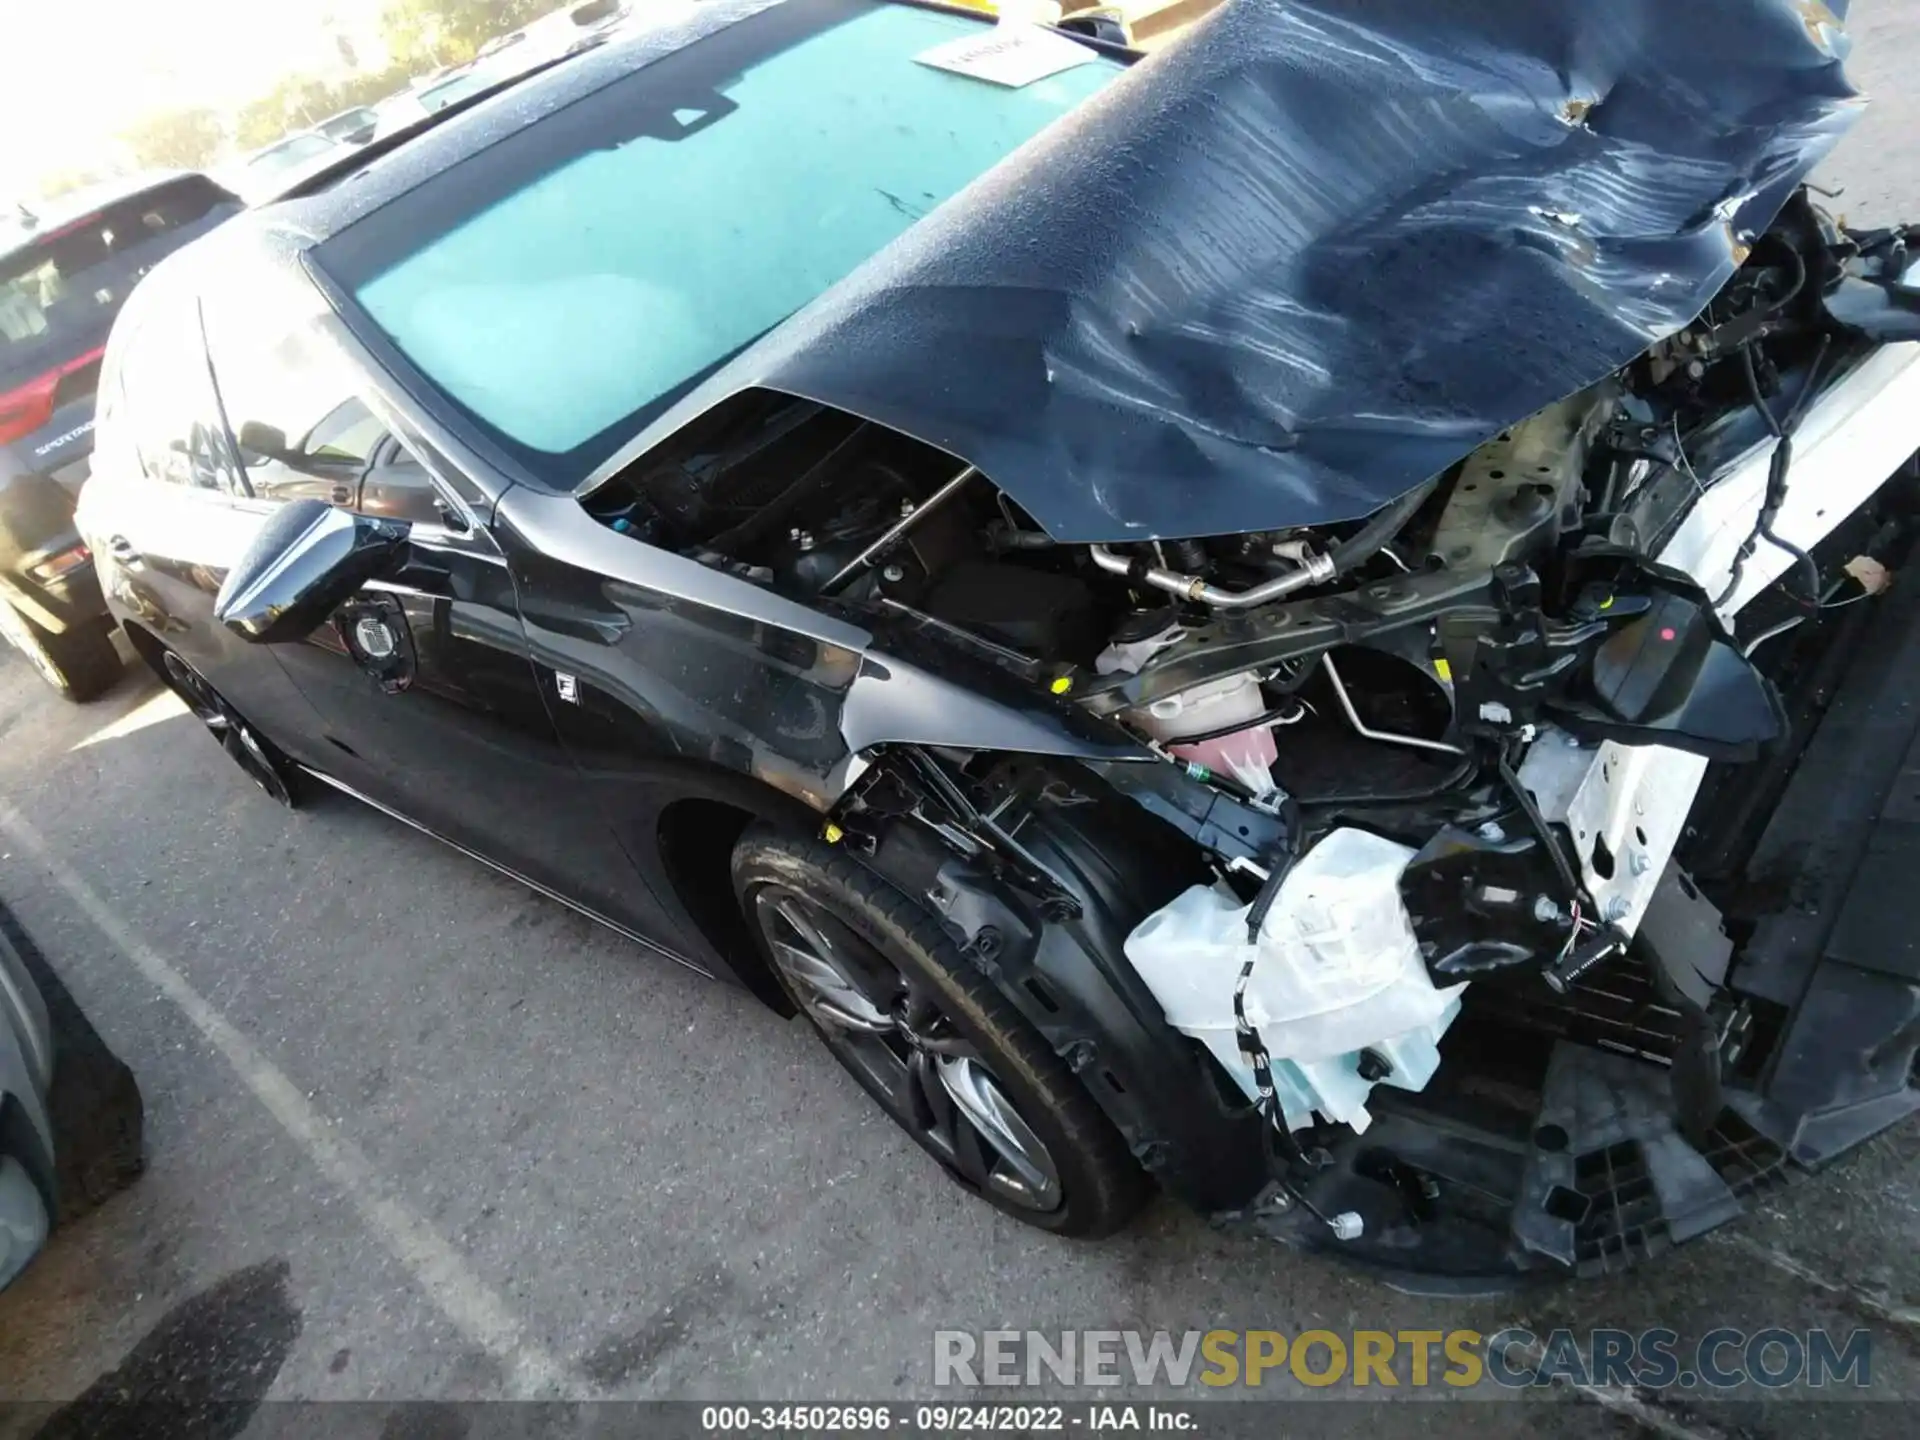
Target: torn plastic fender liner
x,y
1069,978
1285,270
1879,290
1048,922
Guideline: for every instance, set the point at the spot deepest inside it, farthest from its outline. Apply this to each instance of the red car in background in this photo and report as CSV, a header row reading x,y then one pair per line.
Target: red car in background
x,y
65,272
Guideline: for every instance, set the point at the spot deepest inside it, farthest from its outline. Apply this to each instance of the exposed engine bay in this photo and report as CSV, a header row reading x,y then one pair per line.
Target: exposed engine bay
x,y
1461,781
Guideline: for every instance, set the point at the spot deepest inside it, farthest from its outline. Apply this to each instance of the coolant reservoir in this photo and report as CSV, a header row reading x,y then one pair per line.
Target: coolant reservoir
x,y
1337,972
1243,754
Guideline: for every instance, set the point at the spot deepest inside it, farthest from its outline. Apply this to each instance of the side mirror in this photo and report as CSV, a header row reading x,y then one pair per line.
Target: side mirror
x,y
259,439
306,560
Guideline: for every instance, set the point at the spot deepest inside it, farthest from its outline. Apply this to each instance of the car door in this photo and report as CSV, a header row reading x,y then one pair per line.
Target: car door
x,y
426,698
163,511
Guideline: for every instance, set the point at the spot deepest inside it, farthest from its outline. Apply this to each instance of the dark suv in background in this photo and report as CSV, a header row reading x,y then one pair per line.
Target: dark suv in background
x,y
63,277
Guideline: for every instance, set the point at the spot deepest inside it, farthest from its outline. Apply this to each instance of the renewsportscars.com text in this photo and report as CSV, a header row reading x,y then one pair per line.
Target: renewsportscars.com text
x,y
1515,1358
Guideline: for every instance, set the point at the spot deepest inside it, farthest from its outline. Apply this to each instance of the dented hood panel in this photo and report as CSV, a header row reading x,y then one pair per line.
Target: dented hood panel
x,y
1320,249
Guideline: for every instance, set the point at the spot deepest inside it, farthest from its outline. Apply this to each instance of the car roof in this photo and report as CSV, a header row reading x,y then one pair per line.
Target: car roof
x,y
290,138
77,205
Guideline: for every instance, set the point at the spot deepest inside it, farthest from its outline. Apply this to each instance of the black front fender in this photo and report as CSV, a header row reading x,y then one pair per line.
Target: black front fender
x,y
896,702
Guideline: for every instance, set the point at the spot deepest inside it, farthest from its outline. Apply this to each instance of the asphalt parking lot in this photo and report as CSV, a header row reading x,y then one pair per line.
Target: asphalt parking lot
x,y
417,1132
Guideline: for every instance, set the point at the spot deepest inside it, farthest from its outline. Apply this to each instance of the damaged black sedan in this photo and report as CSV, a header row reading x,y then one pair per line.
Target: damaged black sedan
x,y
1309,621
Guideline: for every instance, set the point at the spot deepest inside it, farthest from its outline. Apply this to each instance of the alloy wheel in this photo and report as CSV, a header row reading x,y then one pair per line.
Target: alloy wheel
x,y
891,1031
234,735
250,755
201,698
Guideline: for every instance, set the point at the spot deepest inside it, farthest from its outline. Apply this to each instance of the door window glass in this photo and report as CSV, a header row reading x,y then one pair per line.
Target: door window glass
x,y
166,405
301,428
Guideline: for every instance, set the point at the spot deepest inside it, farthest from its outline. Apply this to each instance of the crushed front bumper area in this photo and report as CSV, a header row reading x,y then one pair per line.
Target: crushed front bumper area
x,y
1553,1139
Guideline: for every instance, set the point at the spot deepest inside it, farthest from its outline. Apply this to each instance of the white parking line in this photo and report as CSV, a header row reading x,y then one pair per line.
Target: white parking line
x,y
1651,1420
1873,1304
472,1306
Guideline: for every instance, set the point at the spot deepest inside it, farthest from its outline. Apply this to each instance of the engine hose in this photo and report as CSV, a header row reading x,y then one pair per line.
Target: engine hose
x,y
1188,555
1777,467
1270,888
1538,824
1316,570
1313,570
1280,715
1003,536
1387,522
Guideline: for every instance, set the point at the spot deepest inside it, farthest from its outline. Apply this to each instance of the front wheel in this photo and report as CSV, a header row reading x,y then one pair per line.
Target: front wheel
x,y
272,771
931,1039
80,662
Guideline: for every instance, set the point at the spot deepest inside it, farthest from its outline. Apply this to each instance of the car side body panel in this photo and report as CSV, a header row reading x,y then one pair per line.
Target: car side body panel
x,y
672,682
681,683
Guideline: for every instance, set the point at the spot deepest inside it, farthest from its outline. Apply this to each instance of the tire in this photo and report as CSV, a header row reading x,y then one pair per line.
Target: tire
x,y
80,663
898,948
94,1103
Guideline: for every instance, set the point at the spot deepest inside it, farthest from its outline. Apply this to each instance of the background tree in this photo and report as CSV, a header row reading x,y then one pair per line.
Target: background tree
x,y
412,34
60,182
368,87
178,140
294,104
446,32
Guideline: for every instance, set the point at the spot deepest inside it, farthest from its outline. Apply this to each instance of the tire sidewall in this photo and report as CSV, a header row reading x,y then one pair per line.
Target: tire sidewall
x,y
23,636
979,1014
89,661
77,664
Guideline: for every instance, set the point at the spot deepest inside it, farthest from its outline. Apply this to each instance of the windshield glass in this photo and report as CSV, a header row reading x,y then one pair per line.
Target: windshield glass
x,y
567,283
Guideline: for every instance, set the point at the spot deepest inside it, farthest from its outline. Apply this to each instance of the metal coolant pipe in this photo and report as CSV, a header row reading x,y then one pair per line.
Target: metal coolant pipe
x,y
1314,570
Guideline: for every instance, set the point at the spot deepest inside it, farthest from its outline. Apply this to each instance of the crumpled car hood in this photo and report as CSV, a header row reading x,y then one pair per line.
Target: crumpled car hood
x,y
1319,249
